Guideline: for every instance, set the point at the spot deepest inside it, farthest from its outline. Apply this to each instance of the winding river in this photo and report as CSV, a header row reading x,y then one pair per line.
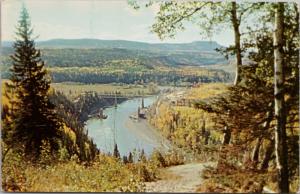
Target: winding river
x,y
127,133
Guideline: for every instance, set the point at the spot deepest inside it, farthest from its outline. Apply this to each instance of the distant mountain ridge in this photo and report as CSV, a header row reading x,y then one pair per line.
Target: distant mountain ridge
x,y
198,46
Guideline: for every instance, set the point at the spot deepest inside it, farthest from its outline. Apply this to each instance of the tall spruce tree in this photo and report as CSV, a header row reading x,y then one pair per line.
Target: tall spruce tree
x,y
116,152
34,121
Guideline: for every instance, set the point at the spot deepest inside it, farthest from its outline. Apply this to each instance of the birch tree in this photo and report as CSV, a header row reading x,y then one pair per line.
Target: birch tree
x,y
211,17
280,114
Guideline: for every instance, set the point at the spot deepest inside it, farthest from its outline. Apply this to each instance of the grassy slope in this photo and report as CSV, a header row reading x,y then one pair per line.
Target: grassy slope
x,y
104,174
191,119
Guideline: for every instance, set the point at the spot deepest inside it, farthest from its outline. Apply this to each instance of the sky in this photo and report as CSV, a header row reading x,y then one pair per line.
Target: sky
x,y
100,19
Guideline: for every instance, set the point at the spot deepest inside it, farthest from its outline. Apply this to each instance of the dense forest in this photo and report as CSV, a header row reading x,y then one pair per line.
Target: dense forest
x,y
43,132
253,123
110,65
240,135
174,77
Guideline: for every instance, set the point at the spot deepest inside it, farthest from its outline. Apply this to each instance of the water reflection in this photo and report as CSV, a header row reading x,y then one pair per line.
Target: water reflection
x,y
116,129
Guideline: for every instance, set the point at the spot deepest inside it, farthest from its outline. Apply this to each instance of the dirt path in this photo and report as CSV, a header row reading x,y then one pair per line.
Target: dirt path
x,y
182,178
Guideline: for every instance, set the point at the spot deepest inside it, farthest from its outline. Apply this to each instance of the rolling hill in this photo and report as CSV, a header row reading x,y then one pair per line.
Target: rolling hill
x,y
197,46
119,60
94,52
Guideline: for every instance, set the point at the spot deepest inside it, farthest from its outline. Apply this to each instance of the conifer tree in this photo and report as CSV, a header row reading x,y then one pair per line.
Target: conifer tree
x,y
142,156
34,121
130,158
125,159
116,152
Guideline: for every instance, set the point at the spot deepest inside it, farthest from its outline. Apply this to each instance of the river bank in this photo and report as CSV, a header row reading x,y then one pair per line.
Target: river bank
x,y
89,104
146,132
119,129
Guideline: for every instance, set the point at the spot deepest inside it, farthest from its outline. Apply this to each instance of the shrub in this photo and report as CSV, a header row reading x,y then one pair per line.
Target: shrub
x,y
173,158
157,159
105,173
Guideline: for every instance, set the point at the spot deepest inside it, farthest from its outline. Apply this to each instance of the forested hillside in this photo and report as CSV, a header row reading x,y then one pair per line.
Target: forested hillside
x,y
253,123
127,66
43,132
127,62
88,115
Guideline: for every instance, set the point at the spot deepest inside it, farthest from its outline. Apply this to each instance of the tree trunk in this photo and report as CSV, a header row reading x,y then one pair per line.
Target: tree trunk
x,y
203,130
225,141
4,153
207,135
237,36
226,136
280,114
268,155
265,127
256,149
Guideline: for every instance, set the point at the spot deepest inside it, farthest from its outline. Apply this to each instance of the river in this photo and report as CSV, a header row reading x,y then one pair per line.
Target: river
x,y
128,134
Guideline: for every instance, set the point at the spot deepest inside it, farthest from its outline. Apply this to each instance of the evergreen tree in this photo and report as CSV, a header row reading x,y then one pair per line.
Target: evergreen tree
x,y
142,156
116,152
34,121
125,159
130,158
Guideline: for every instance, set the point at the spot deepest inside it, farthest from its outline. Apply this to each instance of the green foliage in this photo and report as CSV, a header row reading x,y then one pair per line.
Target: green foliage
x,y
89,103
211,17
129,66
63,154
247,111
74,90
187,126
146,57
75,139
164,76
33,117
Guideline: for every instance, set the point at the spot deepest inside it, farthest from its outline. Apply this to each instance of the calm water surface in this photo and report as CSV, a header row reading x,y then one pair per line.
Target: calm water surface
x,y
105,132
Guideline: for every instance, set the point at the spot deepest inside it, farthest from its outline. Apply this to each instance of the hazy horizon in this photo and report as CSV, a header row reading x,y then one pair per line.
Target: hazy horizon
x,y
90,19
162,42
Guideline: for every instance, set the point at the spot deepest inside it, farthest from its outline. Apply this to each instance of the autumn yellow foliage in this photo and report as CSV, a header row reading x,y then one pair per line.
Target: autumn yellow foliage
x,y
183,124
104,174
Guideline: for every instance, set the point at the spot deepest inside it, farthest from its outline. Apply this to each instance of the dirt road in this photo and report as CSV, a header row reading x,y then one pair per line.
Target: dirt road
x,y
182,178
